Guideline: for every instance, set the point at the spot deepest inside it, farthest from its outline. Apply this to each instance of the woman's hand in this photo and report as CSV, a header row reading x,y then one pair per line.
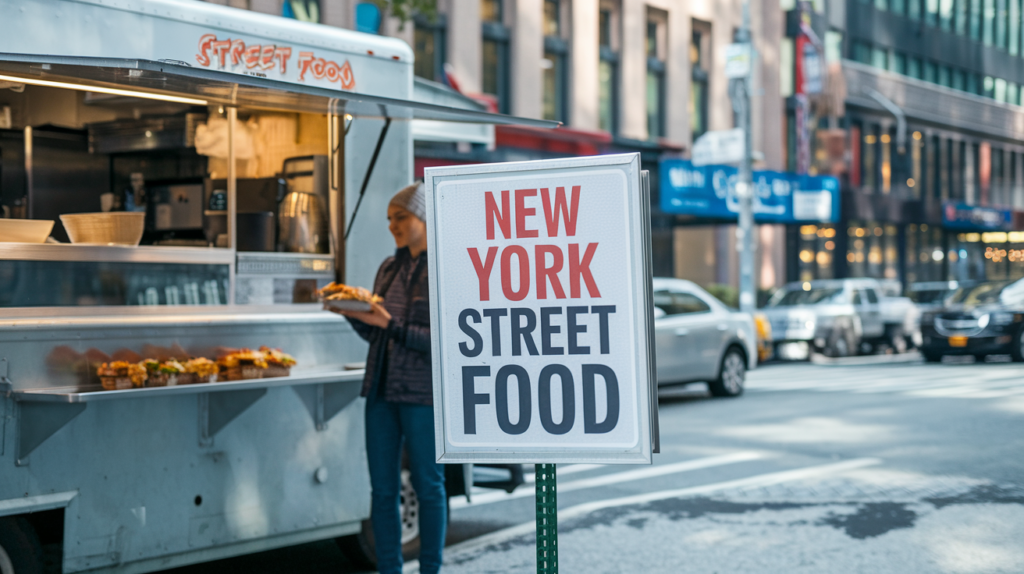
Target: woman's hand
x,y
377,316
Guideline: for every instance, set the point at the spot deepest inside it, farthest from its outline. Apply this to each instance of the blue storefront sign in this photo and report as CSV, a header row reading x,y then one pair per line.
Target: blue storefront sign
x,y
779,197
963,217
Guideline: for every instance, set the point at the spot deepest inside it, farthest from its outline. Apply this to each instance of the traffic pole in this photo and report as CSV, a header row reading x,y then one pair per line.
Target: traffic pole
x,y
739,92
546,492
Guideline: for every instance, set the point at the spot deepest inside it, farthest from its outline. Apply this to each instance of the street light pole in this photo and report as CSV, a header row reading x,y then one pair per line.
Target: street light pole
x,y
739,92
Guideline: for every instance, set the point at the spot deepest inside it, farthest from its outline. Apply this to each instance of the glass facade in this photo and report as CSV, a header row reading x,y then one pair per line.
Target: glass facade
x,y
43,284
872,250
816,248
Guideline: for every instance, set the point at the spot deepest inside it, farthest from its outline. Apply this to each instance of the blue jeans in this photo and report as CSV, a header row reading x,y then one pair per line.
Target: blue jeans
x,y
387,425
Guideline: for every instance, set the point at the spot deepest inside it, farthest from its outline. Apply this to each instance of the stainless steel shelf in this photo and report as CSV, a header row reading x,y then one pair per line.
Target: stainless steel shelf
x,y
116,253
78,395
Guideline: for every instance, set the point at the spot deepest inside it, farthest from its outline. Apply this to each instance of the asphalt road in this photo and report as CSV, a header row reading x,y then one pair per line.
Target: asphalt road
x,y
840,467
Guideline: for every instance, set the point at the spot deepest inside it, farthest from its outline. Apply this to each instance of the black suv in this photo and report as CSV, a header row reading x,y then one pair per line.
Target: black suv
x,y
983,319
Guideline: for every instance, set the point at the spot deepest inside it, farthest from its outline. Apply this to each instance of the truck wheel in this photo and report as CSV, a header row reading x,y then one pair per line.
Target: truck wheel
x,y
731,375
839,344
931,356
1017,347
20,551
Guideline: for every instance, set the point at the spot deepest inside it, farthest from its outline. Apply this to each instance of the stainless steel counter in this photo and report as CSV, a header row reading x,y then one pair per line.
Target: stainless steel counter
x,y
93,394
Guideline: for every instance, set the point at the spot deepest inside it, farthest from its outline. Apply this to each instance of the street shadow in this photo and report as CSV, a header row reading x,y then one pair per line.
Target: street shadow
x,y
681,394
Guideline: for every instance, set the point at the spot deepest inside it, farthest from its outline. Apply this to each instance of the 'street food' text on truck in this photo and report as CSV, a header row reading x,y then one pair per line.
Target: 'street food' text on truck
x,y
114,440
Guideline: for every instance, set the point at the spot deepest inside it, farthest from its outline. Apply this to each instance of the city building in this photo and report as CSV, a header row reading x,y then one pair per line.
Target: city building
x,y
921,119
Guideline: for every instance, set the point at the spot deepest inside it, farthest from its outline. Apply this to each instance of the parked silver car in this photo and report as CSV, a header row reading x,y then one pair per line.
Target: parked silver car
x,y
700,339
839,317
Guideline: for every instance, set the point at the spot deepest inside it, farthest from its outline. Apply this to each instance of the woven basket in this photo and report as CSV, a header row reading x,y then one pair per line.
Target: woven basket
x,y
114,228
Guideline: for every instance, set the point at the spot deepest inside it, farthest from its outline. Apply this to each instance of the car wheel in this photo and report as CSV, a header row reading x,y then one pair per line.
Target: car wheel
x,y
20,551
839,344
361,549
931,356
1017,348
897,340
979,358
732,375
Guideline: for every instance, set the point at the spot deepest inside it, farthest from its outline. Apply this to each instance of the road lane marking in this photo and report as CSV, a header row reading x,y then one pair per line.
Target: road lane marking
x,y
759,480
615,478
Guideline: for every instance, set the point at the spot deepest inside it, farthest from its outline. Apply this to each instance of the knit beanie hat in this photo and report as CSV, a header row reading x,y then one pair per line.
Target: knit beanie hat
x,y
412,200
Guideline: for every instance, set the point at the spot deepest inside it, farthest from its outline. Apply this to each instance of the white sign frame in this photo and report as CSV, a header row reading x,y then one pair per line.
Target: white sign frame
x,y
445,338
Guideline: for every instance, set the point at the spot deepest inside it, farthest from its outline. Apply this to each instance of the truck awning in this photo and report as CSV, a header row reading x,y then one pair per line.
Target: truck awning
x,y
178,81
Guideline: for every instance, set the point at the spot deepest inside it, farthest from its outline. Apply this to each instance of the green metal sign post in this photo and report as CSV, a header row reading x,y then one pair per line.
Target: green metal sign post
x,y
547,519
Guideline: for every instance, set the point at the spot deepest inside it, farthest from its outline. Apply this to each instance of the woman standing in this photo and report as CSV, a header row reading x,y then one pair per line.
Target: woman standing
x,y
399,391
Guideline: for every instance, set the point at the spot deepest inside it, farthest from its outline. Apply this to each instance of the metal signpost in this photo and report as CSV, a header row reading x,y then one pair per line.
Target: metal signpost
x,y
540,306
739,90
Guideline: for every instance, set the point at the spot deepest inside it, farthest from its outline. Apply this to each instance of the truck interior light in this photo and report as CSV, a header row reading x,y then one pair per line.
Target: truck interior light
x,y
102,90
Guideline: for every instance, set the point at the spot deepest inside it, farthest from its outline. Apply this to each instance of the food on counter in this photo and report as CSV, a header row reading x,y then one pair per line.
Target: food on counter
x,y
162,373
341,292
120,375
199,370
233,365
242,364
279,363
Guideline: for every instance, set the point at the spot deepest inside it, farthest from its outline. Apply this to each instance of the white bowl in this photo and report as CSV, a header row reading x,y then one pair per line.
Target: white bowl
x,y
113,228
24,230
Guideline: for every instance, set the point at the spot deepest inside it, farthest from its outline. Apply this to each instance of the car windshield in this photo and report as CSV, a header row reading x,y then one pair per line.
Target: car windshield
x,y
812,296
929,295
979,294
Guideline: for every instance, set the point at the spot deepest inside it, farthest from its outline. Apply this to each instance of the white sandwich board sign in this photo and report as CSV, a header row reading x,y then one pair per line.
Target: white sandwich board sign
x,y
540,287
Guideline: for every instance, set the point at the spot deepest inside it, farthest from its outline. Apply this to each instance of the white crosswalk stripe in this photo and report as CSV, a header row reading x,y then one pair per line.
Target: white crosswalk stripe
x,y
990,381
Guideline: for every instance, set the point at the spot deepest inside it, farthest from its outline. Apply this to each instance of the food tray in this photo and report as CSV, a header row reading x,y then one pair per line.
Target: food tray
x,y
347,305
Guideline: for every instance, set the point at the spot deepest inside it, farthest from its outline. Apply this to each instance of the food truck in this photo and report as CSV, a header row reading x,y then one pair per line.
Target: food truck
x,y
178,180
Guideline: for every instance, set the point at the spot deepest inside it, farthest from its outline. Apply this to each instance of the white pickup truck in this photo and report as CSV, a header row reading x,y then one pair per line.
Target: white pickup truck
x,y
840,317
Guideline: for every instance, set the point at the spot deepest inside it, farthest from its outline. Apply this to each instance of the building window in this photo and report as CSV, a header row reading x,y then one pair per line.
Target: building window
x,y
944,76
429,47
880,58
974,26
931,12
491,11
960,17
946,15
495,54
554,64
608,71
1002,15
656,25
989,90
958,80
914,68
861,52
929,73
869,166
899,7
988,29
973,86
914,9
1013,31
1013,93
302,10
699,79
898,63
